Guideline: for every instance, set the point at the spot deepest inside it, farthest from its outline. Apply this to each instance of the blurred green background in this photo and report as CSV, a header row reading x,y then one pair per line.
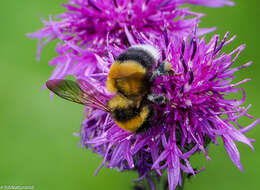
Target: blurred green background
x,y
37,146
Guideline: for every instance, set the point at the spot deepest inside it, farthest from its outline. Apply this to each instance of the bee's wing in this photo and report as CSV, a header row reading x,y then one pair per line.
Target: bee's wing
x,y
72,91
91,89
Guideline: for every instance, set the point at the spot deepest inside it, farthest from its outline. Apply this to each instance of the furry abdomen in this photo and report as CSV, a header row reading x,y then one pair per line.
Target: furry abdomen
x,y
130,115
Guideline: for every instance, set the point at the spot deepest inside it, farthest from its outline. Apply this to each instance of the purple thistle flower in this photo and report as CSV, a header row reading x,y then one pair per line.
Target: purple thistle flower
x,y
192,118
87,24
93,33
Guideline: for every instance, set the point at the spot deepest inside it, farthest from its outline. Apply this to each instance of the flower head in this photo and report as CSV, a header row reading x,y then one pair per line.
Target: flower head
x,y
197,111
87,24
94,32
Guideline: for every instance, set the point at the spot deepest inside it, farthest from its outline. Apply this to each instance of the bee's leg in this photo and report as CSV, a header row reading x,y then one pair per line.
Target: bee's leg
x,y
161,70
157,98
160,99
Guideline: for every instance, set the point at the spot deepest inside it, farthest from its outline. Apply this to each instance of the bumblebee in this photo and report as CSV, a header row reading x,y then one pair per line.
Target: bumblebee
x,y
130,78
